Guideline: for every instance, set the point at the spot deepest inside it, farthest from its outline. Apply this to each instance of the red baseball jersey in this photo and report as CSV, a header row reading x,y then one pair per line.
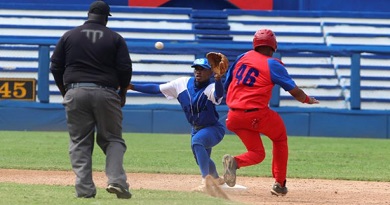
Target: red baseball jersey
x,y
250,80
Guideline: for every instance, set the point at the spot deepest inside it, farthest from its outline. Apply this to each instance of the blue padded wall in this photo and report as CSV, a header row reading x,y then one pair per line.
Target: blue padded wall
x,y
170,119
359,125
137,121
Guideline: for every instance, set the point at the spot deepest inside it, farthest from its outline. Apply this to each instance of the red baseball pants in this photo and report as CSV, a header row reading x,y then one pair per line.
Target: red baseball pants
x,y
248,126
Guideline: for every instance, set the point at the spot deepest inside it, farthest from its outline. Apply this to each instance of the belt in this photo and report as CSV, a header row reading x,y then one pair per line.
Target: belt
x,y
197,127
90,85
242,110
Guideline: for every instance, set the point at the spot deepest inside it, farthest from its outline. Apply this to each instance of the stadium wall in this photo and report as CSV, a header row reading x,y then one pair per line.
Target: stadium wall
x,y
44,116
27,116
326,122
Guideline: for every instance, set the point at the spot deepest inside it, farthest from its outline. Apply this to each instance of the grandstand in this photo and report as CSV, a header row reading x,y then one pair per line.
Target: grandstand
x,y
189,34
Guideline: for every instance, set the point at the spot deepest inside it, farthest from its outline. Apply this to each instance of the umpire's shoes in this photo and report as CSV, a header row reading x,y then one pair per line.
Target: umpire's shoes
x,y
278,190
87,196
120,191
230,167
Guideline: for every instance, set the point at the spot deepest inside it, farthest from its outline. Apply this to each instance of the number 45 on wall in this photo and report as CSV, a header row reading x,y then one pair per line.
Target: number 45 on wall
x,y
17,89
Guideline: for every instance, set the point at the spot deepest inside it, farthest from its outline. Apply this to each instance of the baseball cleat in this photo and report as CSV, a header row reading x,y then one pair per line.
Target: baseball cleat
x,y
120,191
230,167
219,181
200,188
214,189
278,190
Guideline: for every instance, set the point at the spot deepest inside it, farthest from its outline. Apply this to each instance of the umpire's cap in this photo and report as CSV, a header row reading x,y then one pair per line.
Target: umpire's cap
x,y
203,62
100,8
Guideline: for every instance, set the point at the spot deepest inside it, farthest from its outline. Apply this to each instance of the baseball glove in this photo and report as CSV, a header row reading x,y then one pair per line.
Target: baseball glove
x,y
218,62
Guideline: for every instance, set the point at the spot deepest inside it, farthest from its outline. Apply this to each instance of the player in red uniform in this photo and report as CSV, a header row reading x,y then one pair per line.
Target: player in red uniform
x,y
249,84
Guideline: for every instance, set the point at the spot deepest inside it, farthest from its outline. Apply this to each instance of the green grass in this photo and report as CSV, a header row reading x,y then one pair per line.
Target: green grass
x,y
11,193
310,157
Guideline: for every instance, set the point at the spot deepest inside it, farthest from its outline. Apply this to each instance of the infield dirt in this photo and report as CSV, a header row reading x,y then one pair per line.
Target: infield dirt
x,y
301,191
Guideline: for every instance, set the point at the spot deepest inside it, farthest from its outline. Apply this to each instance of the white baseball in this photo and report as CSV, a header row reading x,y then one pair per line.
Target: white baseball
x,y
159,45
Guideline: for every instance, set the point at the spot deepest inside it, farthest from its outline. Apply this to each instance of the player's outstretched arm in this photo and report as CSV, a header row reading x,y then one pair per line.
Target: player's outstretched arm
x,y
145,88
218,88
301,96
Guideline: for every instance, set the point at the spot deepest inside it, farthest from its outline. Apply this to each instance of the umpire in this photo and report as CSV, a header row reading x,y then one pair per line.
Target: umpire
x,y
89,63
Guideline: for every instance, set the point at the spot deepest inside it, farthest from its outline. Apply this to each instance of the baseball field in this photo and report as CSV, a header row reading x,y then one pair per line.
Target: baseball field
x,y
35,169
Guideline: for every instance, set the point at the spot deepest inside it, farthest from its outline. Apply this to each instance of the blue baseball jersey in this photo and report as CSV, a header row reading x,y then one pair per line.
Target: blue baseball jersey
x,y
198,103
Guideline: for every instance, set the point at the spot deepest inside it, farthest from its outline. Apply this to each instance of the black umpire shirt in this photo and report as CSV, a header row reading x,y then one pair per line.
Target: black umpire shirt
x,y
92,53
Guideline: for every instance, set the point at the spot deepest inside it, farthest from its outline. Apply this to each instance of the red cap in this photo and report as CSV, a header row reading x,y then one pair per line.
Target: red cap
x,y
265,37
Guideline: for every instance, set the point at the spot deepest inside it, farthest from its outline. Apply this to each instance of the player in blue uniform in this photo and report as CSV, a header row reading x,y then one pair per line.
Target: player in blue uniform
x,y
197,96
